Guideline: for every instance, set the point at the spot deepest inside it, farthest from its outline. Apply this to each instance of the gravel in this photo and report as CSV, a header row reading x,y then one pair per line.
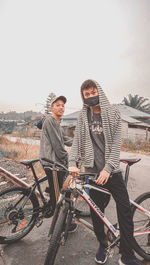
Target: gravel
x,y
14,167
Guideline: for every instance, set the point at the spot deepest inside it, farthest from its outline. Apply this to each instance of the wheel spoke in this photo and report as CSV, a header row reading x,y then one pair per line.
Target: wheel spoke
x,y
142,226
16,213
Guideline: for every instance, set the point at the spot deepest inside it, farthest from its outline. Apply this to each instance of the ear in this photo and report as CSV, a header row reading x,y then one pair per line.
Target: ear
x,y
51,108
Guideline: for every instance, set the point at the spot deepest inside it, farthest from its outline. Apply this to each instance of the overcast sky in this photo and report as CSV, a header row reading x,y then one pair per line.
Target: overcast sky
x,y
53,46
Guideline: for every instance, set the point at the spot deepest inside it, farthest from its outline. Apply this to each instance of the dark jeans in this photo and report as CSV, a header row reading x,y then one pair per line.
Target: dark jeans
x,y
60,176
118,190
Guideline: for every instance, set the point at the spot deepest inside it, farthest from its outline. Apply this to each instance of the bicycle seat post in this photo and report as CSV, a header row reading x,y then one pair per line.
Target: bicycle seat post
x,y
127,174
34,174
37,181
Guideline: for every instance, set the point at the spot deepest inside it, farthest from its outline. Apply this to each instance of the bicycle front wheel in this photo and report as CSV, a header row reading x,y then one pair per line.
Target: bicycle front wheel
x,y
142,226
17,214
57,235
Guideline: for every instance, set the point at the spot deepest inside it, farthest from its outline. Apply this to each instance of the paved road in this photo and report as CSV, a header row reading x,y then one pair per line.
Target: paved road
x,y
81,246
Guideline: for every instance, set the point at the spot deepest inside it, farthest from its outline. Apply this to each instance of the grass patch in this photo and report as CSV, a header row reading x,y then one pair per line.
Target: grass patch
x,y
23,150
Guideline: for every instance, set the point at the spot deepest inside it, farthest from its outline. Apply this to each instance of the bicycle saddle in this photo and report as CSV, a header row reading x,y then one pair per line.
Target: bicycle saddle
x,y
29,162
130,161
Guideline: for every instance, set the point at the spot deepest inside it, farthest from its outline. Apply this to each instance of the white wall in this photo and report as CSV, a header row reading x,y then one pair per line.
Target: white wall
x,y
124,129
138,134
134,133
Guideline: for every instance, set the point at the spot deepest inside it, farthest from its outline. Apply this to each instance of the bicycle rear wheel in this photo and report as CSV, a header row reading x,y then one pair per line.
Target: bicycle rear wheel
x,y
16,219
57,235
142,224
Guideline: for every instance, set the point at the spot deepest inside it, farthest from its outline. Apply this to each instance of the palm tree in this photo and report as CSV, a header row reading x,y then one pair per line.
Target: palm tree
x,y
137,102
48,102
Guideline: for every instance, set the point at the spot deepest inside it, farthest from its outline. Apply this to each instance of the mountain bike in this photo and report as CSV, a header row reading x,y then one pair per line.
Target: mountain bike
x,y
23,208
65,212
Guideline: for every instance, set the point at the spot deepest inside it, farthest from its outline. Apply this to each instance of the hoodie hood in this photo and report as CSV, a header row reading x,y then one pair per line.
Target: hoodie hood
x,y
103,100
82,148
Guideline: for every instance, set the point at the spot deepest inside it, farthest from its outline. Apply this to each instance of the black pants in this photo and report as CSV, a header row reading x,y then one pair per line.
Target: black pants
x,y
60,176
118,190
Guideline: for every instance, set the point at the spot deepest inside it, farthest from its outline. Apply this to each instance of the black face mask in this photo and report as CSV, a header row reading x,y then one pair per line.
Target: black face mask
x,y
93,101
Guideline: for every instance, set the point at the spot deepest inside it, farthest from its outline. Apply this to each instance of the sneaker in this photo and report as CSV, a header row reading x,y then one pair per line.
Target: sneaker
x,y
101,256
133,261
72,228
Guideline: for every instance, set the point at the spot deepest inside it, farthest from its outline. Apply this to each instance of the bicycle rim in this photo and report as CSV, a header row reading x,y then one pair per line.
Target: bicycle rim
x,y
142,226
16,221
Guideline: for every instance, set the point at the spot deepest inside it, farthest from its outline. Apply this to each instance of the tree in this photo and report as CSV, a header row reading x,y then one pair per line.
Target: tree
x,y
137,102
48,102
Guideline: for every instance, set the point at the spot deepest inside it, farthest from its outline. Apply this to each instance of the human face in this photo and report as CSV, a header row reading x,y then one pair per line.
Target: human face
x,y
90,92
57,109
91,98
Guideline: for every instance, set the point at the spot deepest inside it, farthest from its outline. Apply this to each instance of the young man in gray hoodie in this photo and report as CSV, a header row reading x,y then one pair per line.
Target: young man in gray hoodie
x,y
96,145
52,144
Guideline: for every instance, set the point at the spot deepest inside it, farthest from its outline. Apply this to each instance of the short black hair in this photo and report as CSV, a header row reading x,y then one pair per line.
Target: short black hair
x,y
87,84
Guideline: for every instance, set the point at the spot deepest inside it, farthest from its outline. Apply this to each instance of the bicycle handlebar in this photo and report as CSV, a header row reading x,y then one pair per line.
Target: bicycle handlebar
x,y
85,175
57,166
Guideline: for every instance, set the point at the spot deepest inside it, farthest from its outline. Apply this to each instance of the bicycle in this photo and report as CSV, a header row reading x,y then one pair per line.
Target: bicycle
x,y
64,213
23,208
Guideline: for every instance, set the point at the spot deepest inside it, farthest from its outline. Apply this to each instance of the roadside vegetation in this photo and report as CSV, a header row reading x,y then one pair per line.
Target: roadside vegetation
x,y
17,151
137,146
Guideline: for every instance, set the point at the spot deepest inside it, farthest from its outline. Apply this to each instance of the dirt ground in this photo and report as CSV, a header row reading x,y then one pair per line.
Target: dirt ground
x,y
81,246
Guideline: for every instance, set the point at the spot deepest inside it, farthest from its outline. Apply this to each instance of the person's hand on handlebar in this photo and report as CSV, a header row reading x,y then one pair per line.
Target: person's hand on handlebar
x,y
74,171
103,177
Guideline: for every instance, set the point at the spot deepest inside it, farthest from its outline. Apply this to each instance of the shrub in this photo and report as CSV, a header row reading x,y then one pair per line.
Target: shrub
x,y
4,153
129,145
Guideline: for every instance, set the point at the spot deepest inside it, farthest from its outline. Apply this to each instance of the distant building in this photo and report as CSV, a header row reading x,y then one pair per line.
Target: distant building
x,y
135,123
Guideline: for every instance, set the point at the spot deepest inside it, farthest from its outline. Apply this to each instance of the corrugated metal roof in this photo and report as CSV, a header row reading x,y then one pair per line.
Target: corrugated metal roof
x,y
125,111
71,116
144,124
128,114
129,119
131,112
134,121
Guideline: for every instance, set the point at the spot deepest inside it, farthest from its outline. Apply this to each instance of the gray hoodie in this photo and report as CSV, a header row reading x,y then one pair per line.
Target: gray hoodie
x,y
53,141
82,148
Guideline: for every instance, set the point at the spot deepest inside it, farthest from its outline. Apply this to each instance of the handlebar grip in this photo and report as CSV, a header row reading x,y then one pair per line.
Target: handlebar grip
x,y
90,176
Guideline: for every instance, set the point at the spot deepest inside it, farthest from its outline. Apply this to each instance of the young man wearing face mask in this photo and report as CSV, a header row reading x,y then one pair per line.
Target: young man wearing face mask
x,y
96,144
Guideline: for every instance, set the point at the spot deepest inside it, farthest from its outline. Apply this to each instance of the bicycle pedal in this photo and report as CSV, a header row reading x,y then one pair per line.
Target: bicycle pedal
x,y
39,223
1,252
63,242
110,253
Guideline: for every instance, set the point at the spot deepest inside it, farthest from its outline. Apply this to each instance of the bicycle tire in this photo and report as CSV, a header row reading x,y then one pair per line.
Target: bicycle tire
x,y
15,223
68,224
141,243
55,240
54,219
